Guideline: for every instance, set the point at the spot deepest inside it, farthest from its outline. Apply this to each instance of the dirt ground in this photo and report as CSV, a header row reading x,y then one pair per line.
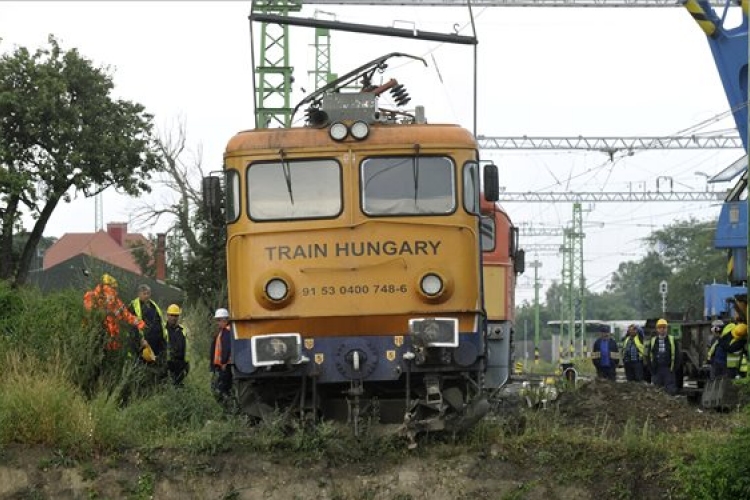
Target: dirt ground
x,y
600,403
434,474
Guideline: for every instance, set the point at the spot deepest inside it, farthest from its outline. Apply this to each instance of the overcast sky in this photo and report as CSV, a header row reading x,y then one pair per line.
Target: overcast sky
x,y
542,72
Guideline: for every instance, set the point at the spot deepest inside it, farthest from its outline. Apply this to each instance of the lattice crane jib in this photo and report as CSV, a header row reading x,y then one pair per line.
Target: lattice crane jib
x,y
274,73
322,74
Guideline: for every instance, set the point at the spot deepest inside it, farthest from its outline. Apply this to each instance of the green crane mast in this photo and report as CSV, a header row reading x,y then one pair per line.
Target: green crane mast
x,y
274,73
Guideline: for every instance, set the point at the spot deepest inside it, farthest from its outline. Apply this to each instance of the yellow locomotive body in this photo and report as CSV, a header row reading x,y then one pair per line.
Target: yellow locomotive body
x,y
355,266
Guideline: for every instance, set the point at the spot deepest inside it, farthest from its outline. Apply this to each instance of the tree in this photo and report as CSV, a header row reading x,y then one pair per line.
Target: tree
x,y
638,284
687,248
196,240
681,254
61,132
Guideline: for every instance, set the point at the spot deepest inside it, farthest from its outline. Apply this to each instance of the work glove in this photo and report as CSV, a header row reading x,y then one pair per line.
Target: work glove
x,y
148,354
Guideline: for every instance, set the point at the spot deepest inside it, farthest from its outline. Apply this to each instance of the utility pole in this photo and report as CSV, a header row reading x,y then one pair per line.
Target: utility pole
x,y
567,311
578,280
536,265
98,212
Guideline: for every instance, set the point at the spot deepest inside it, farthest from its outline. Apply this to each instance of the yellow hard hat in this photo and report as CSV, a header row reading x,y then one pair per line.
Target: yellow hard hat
x,y
662,322
108,279
173,310
739,331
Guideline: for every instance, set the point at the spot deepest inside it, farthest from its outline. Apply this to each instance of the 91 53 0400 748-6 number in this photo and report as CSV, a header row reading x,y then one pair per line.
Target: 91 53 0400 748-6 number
x,y
378,288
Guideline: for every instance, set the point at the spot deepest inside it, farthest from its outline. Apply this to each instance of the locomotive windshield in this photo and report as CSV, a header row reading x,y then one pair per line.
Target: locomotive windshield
x,y
294,189
408,185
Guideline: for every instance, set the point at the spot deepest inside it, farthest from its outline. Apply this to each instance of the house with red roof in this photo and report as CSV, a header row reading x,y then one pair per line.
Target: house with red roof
x,y
114,246
77,260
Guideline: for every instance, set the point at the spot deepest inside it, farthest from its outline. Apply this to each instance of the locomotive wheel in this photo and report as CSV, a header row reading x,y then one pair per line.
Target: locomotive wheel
x,y
251,401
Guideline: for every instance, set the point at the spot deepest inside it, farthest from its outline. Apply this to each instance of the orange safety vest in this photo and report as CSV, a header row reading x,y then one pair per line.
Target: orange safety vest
x,y
218,351
104,298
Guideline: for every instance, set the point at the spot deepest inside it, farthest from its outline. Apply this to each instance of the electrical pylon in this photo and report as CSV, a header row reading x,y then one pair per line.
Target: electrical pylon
x,y
573,312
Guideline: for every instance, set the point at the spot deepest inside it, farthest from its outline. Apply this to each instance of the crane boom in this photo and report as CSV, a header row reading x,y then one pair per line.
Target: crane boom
x,y
729,47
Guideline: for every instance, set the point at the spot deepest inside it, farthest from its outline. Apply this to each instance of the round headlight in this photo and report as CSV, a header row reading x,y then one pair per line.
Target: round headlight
x,y
360,130
431,284
338,131
276,289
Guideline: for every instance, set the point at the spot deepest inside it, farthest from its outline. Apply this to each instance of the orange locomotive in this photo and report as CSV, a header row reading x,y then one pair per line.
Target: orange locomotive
x,y
502,261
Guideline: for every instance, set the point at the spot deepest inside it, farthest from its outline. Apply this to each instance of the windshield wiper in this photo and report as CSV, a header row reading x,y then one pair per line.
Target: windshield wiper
x,y
287,175
415,169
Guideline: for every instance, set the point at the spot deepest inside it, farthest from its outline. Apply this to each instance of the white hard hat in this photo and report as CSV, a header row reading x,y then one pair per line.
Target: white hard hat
x,y
221,313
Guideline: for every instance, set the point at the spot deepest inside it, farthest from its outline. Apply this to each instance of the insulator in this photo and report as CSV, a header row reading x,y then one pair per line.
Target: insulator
x,y
404,101
398,94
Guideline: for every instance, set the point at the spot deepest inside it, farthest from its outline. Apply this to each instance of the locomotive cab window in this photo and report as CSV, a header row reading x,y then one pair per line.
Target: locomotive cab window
x,y
487,229
294,189
232,196
408,185
471,188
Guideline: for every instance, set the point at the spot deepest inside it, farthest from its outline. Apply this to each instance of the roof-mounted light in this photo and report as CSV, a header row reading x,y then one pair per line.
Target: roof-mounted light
x,y
360,130
338,131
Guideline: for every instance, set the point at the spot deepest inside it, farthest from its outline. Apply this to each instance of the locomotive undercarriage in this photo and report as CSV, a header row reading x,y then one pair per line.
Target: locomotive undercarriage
x,y
436,401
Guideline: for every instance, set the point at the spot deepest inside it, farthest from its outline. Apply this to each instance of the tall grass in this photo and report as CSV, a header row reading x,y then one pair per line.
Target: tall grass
x,y
60,388
39,404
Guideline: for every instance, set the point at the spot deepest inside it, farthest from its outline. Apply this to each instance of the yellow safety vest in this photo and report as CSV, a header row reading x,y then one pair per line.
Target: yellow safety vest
x,y
638,344
733,358
671,345
136,303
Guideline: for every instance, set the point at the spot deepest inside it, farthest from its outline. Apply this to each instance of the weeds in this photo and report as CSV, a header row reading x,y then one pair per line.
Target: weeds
x,y
58,389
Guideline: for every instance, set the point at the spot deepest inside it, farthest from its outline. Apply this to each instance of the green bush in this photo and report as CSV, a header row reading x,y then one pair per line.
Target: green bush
x,y
720,470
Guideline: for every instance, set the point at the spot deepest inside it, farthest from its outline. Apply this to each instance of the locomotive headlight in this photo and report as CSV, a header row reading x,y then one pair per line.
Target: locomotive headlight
x,y
431,285
277,289
360,130
338,131
434,286
274,289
